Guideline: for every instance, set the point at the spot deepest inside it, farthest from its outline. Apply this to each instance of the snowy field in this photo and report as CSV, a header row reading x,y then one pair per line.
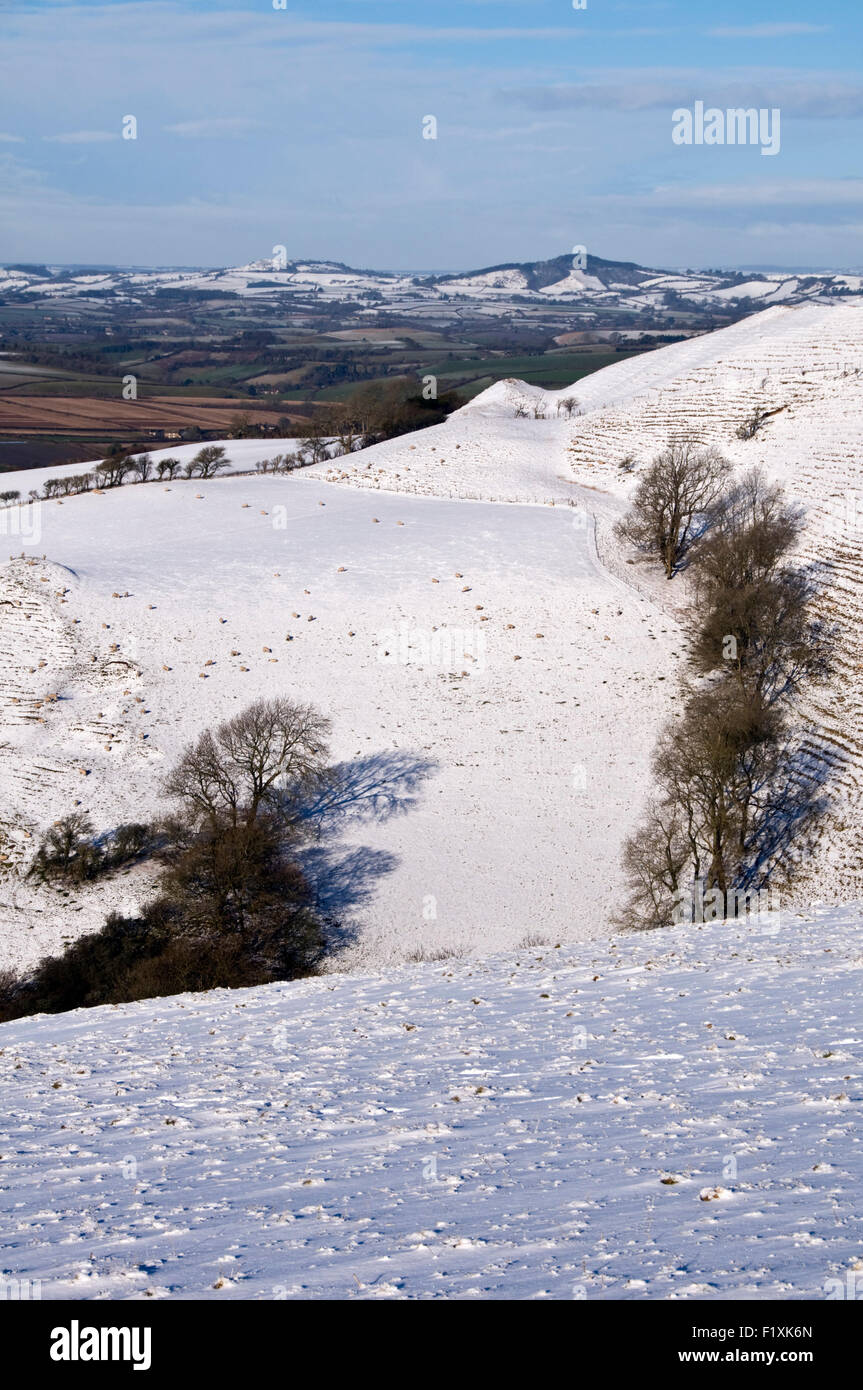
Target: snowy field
x,y
672,1116
503,686
482,671
440,597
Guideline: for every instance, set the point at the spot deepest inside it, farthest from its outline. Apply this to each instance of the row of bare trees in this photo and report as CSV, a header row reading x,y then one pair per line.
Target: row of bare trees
x,y
118,468
737,797
374,412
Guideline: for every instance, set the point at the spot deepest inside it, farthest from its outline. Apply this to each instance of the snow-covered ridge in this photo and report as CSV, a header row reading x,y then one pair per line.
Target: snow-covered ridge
x,y
804,366
565,279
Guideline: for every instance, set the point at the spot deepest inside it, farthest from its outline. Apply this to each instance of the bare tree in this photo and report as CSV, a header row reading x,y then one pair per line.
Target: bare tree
x,y
718,772
342,424
64,847
674,501
316,444
655,860
753,610
754,422
141,467
750,534
207,461
246,765
111,472
168,468
241,425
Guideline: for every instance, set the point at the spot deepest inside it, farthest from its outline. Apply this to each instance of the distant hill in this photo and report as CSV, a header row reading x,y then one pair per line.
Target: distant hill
x,y
599,283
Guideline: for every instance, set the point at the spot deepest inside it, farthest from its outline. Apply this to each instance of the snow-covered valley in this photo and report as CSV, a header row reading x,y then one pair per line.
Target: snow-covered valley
x,y
486,1095
456,648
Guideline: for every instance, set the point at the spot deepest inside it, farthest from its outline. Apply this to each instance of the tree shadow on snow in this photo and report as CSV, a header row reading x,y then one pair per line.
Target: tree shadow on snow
x,y
792,807
372,789
367,789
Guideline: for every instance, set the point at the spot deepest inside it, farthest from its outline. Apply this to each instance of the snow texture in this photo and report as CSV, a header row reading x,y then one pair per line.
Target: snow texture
x,y
673,1115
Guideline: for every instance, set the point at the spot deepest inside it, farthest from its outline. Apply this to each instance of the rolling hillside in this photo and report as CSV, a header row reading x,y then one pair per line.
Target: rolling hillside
x,y
601,283
803,367
479,665
666,1117
160,608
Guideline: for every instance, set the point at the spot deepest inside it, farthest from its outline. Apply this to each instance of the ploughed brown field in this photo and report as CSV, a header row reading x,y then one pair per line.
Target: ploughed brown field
x,y
70,415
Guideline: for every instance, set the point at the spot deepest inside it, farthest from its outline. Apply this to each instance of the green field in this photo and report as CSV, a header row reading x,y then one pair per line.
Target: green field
x,y
470,375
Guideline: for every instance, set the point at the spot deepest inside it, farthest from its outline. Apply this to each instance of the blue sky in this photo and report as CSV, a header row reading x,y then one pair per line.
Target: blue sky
x,y
259,126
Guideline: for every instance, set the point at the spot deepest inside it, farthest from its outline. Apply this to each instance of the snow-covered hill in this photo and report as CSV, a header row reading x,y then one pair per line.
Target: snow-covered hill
x,y
664,1116
675,1116
482,645
589,282
803,367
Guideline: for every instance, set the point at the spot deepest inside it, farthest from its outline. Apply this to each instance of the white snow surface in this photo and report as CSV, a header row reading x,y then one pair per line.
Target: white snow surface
x,y
673,1115
161,609
803,365
536,744
666,1116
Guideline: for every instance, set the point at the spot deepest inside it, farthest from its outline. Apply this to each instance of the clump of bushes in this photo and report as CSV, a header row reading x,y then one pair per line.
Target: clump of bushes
x,y
230,913
753,423
232,907
69,850
280,463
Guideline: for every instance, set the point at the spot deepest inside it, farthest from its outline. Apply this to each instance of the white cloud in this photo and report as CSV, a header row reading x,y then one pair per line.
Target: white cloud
x,y
213,127
816,95
768,31
810,193
82,137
